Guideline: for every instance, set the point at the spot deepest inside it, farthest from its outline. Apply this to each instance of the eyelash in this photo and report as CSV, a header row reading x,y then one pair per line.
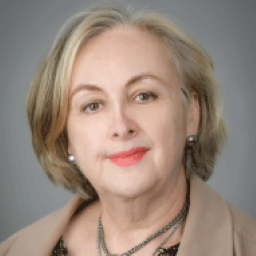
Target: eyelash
x,y
151,94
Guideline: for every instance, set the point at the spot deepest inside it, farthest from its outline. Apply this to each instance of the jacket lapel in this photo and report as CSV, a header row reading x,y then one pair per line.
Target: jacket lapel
x,y
208,229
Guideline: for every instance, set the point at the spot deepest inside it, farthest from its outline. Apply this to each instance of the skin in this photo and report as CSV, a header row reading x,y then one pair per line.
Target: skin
x,y
137,200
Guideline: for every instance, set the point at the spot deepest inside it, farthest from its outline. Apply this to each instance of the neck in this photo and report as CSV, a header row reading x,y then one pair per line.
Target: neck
x,y
133,220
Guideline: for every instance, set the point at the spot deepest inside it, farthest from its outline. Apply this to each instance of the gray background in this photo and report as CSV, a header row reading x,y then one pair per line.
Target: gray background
x,y
225,28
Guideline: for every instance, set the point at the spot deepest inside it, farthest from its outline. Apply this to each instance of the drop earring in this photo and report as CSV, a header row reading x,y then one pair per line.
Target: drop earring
x,y
190,142
71,158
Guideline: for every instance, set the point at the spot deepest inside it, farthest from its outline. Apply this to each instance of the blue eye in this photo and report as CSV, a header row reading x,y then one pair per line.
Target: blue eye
x,y
146,96
91,106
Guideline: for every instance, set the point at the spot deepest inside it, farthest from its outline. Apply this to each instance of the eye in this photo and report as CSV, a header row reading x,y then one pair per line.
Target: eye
x,y
91,107
145,96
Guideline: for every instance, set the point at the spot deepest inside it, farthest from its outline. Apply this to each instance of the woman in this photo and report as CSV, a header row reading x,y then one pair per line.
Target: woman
x,y
123,111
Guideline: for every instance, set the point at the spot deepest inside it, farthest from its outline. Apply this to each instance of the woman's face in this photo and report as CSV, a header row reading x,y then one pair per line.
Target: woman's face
x,y
125,94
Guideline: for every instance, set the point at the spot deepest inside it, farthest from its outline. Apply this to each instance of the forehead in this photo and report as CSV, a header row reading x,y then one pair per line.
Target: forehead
x,y
120,53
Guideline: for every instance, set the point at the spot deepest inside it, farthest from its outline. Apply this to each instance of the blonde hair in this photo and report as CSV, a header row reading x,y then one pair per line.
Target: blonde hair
x,y
48,95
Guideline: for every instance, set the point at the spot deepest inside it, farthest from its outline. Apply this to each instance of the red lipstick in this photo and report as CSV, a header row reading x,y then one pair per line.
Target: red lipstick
x,y
129,157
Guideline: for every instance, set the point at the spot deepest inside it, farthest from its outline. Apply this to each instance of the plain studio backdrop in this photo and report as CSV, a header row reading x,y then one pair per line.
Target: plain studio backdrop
x,y
225,28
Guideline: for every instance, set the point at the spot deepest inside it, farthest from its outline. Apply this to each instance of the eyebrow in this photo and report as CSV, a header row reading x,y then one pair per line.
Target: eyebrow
x,y
133,80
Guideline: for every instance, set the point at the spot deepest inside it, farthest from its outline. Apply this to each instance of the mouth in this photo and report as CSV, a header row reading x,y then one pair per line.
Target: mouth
x,y
130,157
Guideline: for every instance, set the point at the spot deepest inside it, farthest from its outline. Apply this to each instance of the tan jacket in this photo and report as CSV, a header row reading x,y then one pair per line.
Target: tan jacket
x,y
214,227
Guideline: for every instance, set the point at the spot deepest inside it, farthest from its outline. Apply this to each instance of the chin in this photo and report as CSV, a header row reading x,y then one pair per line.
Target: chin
x,y
132,189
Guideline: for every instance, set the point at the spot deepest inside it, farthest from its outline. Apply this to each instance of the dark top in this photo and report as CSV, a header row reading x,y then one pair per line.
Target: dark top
x,y
61,250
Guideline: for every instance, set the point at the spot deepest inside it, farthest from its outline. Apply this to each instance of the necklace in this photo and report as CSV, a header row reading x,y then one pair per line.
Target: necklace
x,y
175,222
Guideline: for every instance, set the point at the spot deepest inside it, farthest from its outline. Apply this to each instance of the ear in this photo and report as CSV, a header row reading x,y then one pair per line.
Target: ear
x,y
193,115
69,149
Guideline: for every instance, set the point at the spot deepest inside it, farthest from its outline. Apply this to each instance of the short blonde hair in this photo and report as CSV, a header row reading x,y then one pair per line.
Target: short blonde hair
x,y
48,95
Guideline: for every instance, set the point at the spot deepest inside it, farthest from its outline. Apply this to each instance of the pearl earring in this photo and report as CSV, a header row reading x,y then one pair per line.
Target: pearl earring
x,y
71,158
190,142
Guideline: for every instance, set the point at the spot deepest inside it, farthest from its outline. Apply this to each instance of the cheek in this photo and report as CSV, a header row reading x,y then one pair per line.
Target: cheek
x,y
169,122
169,133
85,139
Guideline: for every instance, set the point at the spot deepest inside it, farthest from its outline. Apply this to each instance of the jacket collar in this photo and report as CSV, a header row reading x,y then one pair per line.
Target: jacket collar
x,y
41,237
57,226
208,229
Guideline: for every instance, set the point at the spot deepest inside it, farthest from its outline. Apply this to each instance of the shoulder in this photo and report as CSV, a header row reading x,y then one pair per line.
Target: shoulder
x,y
40,237
243,222
233,230
244,231
32,233
7,244
29,232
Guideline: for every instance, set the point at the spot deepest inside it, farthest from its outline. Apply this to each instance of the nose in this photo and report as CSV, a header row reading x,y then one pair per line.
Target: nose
x,y
123,127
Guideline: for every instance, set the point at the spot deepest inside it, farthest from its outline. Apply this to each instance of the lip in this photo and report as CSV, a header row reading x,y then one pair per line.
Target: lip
x,y
130,157
125,154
